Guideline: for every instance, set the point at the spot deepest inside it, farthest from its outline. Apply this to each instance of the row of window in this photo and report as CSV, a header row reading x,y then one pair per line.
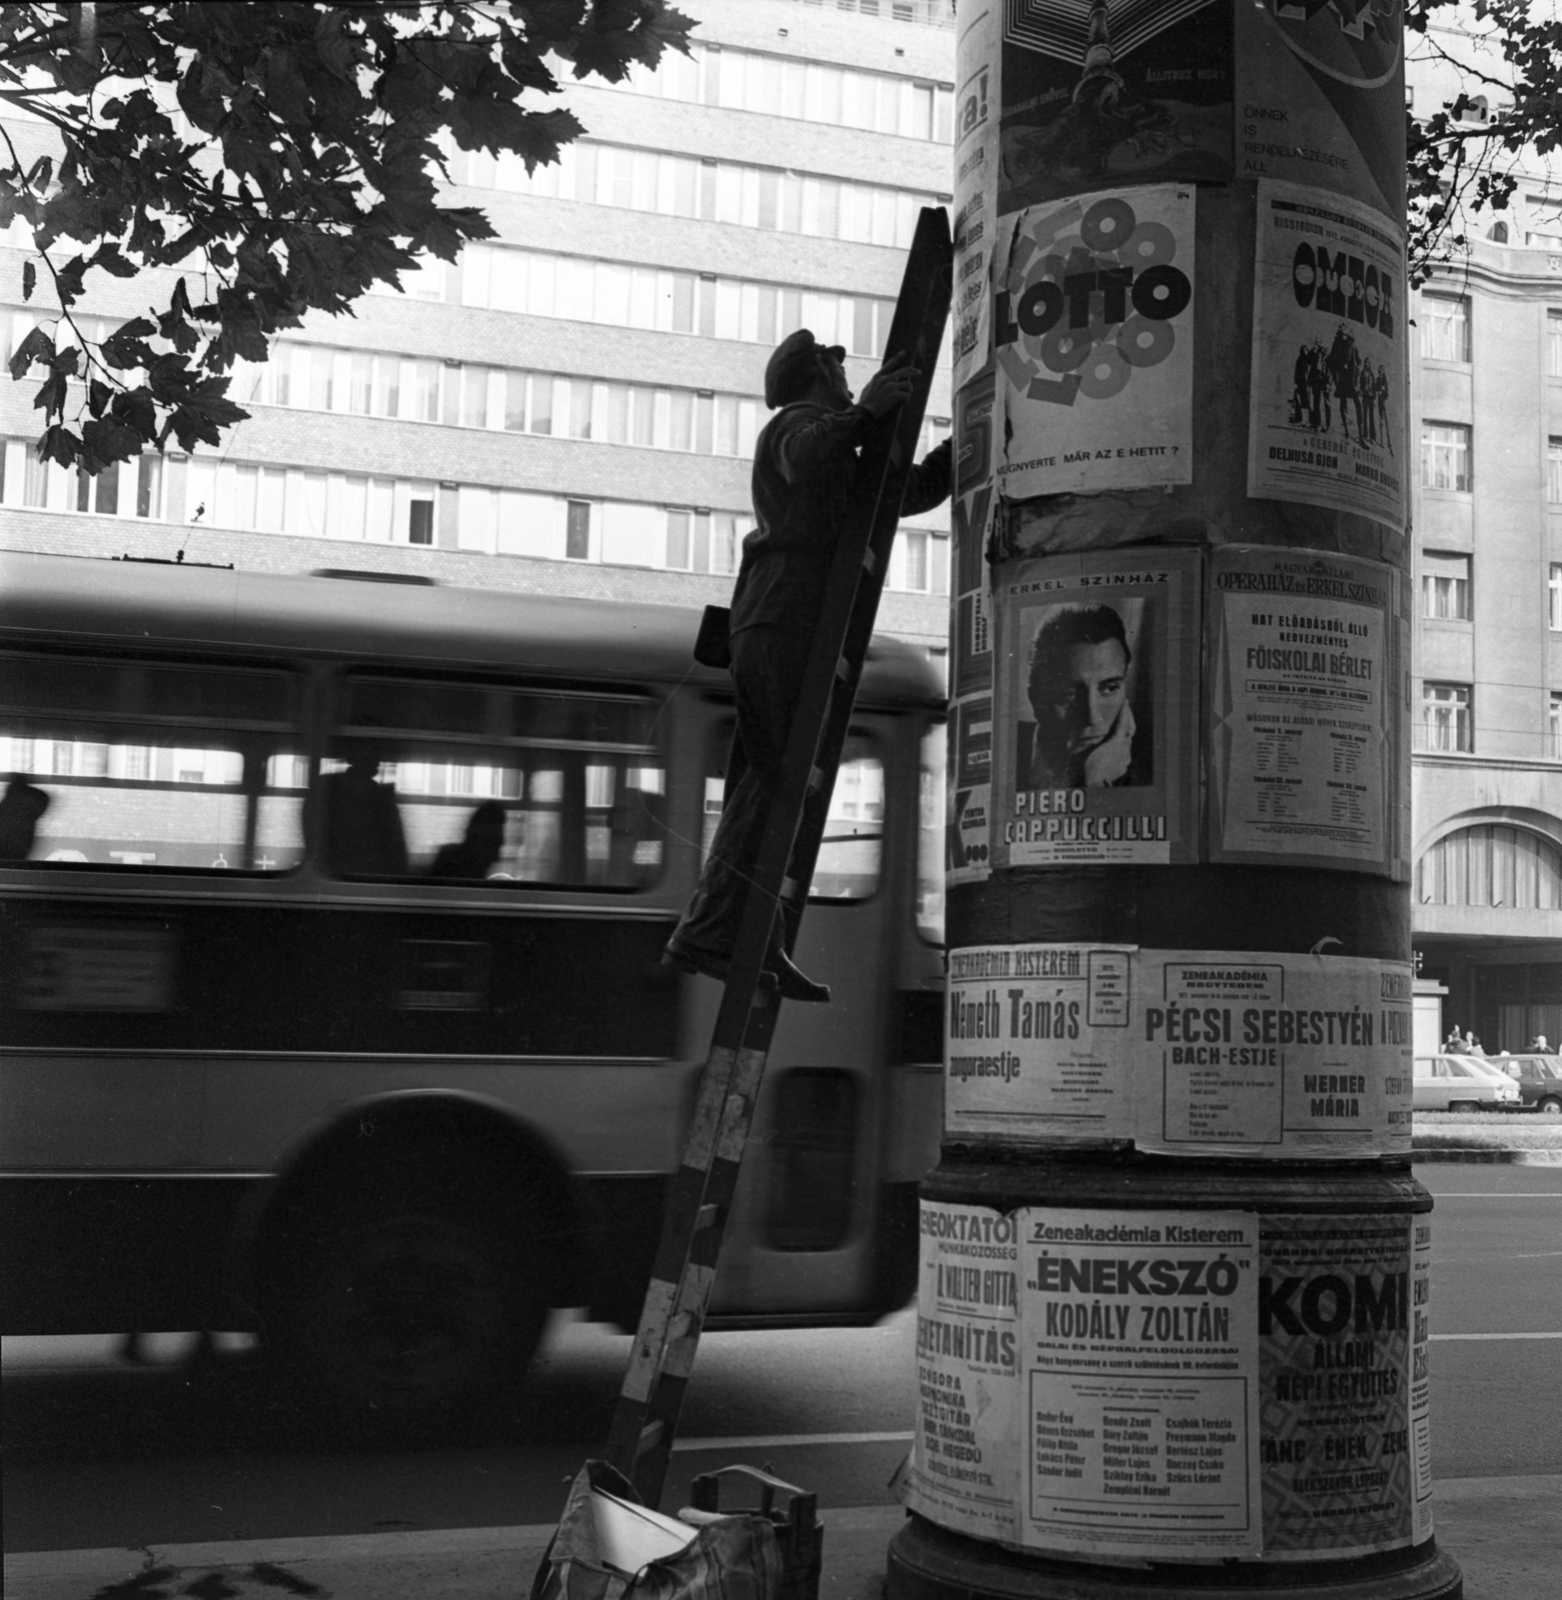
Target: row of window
x,y
1447,722
1445,331
1445,459
616,295
811,91
771,198
359,508
1447,590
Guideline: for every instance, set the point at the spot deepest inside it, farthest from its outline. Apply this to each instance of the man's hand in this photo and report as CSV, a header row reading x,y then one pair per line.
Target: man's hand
x,y
889,387
1110,759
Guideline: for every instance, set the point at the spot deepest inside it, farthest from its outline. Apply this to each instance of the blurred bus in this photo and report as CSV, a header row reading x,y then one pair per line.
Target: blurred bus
x,y
273,1057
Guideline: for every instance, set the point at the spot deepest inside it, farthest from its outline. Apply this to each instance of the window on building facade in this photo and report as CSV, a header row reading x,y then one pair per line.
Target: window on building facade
x,y
577,531
1554,728
1445,455
1445,585
1554,470
1554,596
126,489
1554,344
1491,865
770,198
1445,717
1445,327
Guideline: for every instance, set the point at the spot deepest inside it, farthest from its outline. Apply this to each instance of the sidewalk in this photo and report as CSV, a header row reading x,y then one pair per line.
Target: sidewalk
x,y
1506,1533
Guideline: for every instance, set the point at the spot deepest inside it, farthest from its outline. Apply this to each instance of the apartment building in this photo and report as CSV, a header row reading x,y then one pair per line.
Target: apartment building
x,y
1487,715
570,408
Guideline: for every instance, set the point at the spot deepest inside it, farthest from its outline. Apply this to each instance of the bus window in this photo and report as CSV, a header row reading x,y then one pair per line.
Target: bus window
x,y
847,867
491,784
848,864
930,836
149,764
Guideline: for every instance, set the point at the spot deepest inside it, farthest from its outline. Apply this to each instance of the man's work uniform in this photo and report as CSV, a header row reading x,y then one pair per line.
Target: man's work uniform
x,y
805,467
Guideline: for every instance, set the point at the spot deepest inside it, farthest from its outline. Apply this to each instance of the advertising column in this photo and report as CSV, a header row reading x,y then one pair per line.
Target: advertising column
x,y
1179,999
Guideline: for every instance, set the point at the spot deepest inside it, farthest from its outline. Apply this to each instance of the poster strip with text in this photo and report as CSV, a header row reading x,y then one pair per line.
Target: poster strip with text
x,y
1092,333
1140,1372
1305,763
1272,1055
1320,100
1344,1432
1038,1043
964,1471
1327,424
1096,728
976,183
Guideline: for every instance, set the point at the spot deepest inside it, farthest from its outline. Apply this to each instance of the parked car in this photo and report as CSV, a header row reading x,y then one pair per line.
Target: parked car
x,y
1539,1079
1462,1083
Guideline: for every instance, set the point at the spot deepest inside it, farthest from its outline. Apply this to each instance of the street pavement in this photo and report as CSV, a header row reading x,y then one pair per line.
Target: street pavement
x,y
1505,1533
1504,1530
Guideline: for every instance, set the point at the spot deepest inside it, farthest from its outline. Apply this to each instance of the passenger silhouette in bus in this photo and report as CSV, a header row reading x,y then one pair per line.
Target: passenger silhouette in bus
x,y
804,465
477,853
362,833
21,807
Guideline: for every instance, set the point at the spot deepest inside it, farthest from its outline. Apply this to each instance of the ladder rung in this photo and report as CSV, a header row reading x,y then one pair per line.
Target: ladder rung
x,y
843,669
706,1217
649,1434
789,888
869,559
815,780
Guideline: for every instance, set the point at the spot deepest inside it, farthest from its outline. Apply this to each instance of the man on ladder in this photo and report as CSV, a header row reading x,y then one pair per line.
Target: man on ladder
x,y
804,472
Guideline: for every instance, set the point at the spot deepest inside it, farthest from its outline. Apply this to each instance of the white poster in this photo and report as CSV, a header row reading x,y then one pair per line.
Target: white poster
x,y
1273,1055
1038,1042
976,183
964,1471
1092,328
1327,417
1140,1374
1306,716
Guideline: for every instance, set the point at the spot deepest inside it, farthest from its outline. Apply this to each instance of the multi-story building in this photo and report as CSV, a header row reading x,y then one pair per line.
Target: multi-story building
x,y
1486,397
571,407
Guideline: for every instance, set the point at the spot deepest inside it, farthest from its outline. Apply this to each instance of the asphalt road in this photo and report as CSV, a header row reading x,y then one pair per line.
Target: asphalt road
x,y
100,1454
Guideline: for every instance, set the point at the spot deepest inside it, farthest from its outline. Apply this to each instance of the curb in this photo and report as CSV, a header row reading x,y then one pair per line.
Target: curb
x,y
1507,1158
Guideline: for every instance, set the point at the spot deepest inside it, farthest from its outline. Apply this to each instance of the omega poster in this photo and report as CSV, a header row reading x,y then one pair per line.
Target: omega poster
x,y
1305,677
1096,711
1327,417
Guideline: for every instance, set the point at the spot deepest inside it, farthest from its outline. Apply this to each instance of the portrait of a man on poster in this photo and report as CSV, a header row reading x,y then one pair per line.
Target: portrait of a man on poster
x,y
1087,733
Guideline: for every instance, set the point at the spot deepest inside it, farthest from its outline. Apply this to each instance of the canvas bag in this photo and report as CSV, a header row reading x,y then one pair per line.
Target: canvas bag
x,y
735,1558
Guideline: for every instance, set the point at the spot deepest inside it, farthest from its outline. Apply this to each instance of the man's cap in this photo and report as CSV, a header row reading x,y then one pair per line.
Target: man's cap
x,y
792,363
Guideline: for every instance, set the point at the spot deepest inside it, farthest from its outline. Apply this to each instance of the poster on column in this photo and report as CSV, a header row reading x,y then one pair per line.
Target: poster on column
x,y
1304,763
1096,731
976,182
1140,1373
971,508
1113,94
1270,1055
964,1471
1327,415
1092,332
1320,98
1038,1043
968,813
1336,1376
1421,1373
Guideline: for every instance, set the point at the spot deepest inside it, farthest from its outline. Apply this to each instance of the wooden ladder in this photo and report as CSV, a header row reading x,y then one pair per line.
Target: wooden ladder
x,y
645,1419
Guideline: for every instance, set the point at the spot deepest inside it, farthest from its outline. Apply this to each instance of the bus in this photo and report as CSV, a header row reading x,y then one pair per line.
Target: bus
x,y
331,1000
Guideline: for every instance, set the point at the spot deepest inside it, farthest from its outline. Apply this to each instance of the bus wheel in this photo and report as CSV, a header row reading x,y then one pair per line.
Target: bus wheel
x,y
407,1324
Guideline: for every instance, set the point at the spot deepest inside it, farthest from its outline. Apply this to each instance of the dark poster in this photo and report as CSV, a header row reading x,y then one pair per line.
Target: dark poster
x,y
1127,92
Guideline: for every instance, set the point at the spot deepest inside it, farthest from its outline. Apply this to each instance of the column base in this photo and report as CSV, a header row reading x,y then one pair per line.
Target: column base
x,y
927,1562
